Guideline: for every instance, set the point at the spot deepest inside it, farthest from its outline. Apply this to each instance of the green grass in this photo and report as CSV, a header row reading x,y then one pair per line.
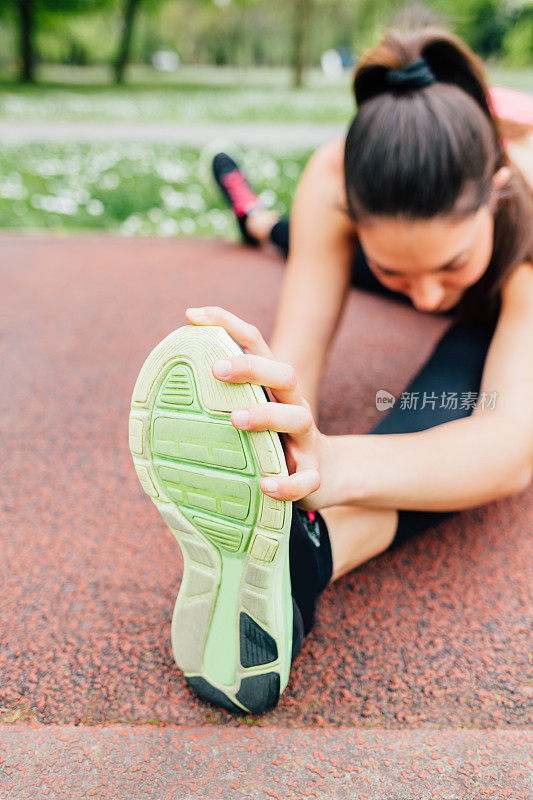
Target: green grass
x,y
193,95
130,189
151,189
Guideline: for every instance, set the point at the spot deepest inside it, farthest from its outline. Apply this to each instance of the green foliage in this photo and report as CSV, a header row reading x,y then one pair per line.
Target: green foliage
x,y
253,32
31,16
518,41
80,39
132,189
487,26
48,11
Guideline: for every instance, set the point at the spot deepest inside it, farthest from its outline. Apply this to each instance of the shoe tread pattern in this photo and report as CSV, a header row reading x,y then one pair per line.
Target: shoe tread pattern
x,y
203,475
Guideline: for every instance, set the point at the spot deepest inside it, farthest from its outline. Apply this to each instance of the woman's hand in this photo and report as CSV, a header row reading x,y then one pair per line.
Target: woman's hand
x,y
290,414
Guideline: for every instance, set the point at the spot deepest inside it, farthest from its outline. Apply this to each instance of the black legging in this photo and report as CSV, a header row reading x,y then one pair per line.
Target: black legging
x,y
455,365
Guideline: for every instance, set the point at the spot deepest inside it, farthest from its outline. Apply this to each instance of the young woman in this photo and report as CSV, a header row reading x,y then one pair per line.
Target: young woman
x,y
419,202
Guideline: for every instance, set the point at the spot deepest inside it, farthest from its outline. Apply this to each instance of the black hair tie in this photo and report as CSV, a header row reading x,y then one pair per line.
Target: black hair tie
x,y
414,76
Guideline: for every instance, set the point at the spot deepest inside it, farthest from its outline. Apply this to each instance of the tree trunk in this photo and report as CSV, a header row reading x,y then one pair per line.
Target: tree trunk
x,y
26,50
302,13
128,19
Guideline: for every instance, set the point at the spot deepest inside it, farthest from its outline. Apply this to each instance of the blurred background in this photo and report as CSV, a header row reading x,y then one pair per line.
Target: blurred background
x,y
105,105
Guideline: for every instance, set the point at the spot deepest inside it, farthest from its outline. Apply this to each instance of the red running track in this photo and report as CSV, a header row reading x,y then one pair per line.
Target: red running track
x,y
434,634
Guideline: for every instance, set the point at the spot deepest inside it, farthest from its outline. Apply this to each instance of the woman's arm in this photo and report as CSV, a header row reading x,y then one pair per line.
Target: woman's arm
x,y
322,244
463,463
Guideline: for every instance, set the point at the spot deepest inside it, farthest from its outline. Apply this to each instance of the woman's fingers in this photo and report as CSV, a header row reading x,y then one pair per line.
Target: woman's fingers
x,y
245,334
293,487
278,376
281,417
290,415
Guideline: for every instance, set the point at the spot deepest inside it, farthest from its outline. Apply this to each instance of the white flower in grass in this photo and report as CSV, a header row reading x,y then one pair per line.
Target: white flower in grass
x,y
269,170
63,205
291,169
171,171
76,194
110,180
195,202
168,227
218,220
172,200
95,207
56,205
188,226
155,215
131,225
48,168
268,198
13,189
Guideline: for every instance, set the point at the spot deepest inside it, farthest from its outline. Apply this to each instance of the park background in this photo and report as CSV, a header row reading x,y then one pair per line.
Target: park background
x,y
106,104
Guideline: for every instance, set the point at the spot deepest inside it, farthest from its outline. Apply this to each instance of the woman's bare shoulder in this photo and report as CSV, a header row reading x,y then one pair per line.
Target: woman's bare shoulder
x,y
325,170
330,157
517,289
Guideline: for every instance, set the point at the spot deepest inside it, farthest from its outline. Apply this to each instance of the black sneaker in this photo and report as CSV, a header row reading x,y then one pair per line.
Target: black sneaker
x,y
237,192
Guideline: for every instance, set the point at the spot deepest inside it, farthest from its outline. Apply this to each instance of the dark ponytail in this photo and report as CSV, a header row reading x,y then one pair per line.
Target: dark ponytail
x,y
430,151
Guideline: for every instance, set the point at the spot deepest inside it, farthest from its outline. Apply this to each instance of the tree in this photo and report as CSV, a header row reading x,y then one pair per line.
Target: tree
x,y
130,10
26,41
302,18
30,16
129,13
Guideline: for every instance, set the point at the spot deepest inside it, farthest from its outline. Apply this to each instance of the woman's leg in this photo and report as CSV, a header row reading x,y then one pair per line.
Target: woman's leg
x,y
454,367
265,226
358,534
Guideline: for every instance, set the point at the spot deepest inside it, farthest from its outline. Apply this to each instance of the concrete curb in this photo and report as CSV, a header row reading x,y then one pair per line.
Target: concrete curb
x,y
209,762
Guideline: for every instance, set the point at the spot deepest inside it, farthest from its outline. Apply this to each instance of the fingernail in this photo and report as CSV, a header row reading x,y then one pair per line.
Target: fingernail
x,y
222,368
196,312
241,417
270,485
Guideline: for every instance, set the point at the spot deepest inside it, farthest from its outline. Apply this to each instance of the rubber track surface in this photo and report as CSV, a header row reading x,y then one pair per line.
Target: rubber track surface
x,y
432,634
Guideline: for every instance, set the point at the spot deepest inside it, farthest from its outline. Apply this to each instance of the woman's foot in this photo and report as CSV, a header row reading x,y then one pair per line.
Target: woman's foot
x,y
254,220
235,630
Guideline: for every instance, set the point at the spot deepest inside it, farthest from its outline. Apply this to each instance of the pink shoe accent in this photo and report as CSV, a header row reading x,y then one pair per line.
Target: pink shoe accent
x,y
243,199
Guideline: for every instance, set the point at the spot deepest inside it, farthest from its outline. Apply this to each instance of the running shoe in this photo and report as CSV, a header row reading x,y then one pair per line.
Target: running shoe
x,y
237,191
205,162
232,627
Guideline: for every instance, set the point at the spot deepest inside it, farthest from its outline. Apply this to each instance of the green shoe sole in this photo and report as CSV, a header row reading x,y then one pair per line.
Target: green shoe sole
x,y
232,622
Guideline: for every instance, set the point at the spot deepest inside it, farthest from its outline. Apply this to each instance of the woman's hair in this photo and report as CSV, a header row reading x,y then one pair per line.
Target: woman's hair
x,y
432,151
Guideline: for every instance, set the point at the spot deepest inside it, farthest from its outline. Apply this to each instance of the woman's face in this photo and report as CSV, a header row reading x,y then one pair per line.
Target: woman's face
x,y
431,261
